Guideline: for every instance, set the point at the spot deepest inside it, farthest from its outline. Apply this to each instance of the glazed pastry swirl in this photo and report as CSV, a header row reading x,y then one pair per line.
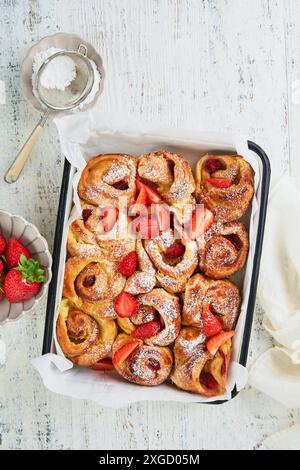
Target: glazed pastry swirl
x,y
106,178
171,174
83,338
221,297
92,283
172,273
87,236
196,369
146,365
223,249
157,305
225,185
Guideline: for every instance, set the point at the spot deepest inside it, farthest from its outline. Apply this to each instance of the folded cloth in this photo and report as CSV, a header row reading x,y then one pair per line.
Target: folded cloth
x,y
277,371
289,439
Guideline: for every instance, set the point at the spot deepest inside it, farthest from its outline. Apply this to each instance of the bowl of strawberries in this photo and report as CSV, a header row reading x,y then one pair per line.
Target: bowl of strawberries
x,y
25,266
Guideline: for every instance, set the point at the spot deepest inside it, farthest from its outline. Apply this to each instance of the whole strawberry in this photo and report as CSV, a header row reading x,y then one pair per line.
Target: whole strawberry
x,y
1,286
24,281
14,251
2,244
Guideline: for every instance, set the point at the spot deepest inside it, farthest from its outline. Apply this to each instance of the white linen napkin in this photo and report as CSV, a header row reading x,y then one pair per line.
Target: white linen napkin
x,y
277,371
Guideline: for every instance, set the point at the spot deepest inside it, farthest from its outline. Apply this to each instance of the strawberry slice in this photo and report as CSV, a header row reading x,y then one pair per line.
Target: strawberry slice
x,y
202,219
211,324
163,216
213,164
128,264
110,215
138,183
152,195
141,202
151,328
174,251
126,305
216,341
124,352
219,182
103,365
147,227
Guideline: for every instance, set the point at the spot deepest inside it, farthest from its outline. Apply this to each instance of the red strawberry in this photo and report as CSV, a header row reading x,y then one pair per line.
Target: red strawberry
x,y
140,204
163,216
2,278
216,341
151,328
128,264
126,305
2,244
213,164
138,183
110,215
1,266
175,250
23,282
103,365
124,351
147,227
14,251
202,219
211,324
152,195
219,182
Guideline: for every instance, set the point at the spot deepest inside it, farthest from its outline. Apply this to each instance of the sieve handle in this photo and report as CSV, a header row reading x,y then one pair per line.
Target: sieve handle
x,y
16,168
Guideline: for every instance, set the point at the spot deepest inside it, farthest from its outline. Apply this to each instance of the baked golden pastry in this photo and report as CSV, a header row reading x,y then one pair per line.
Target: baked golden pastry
x,y
107,178
170,174
89,235
225,185
83,338
92,283
198,370
143,280
221,297
157,321
223,249
175,260
140,363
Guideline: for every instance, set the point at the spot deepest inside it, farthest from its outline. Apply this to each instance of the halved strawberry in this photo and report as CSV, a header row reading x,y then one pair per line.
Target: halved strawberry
x,y
219,182
124,352
202,219
128,264
2,244
14,251
151,328
126,305
140,204
152,195
216,341
147,227
163,216
103,365
211,324
175,250
110,215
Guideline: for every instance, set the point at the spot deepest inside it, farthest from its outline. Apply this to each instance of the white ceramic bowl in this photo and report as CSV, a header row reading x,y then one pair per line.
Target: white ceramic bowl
x,y
28,234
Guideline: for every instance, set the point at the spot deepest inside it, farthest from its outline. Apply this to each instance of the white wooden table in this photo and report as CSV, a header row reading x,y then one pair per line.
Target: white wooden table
x,y
227,65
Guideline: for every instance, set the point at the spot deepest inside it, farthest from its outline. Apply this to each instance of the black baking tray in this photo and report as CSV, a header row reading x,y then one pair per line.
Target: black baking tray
x,y
50,311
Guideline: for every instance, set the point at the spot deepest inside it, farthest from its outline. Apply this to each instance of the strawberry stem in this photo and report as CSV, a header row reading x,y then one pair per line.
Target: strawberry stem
x,y
31,270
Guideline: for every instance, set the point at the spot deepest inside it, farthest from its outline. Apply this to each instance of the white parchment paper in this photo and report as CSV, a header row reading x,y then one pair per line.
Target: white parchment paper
x,y
88,134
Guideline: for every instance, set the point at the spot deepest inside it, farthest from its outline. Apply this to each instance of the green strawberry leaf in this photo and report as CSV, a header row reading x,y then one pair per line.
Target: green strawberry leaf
x,y
31,270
